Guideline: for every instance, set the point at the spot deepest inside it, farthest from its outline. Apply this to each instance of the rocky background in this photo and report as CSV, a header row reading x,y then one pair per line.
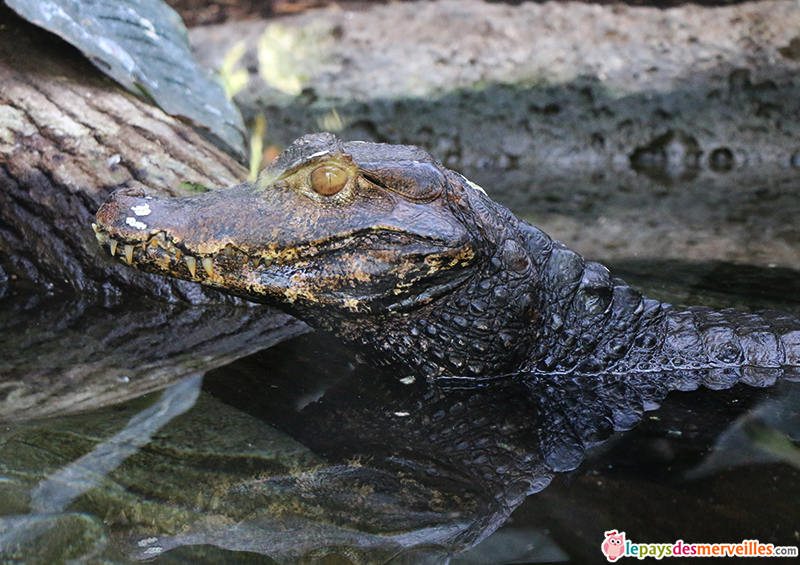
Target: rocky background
x,y
628,130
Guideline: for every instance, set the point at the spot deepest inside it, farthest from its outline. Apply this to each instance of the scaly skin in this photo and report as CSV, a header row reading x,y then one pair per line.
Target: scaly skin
x,y
416,269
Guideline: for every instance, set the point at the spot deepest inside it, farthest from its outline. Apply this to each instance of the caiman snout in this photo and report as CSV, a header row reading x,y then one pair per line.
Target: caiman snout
x,y
131,222
126,213
124,222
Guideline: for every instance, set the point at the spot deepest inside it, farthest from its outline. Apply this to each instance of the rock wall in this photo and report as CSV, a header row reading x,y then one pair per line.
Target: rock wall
x,y
625,131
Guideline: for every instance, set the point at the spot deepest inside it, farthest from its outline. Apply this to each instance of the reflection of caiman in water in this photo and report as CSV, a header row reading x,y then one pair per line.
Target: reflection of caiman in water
x,y
482,318
409,470
373,471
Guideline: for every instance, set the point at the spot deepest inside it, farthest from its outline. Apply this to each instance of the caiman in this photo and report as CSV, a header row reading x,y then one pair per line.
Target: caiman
x,y
419,272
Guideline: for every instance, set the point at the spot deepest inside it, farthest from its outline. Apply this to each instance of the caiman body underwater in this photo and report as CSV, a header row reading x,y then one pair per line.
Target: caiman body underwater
x,y
419,272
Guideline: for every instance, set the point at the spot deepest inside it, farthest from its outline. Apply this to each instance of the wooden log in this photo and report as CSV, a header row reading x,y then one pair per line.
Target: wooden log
x,y
69,137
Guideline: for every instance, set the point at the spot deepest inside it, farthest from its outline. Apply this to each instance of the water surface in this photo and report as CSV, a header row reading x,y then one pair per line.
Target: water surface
x,y
295,454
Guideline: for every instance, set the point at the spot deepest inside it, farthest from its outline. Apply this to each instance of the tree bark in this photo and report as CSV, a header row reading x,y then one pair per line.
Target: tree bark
x,y
69,137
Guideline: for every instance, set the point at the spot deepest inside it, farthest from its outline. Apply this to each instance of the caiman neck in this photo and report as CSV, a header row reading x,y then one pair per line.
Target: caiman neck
x,y
489,325
532,305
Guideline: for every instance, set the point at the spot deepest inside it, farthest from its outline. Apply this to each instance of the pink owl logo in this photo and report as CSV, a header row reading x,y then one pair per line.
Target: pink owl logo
x,y
614,545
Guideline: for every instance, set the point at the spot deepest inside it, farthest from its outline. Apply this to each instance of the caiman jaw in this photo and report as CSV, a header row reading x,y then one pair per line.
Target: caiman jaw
x,y
159,249
270,244
144,232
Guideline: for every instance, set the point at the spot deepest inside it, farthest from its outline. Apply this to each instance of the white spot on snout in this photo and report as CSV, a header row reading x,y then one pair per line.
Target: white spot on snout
x,y
134,223
142,210
146,541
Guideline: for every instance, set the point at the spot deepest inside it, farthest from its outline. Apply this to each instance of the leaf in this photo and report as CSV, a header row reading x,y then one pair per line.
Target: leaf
x,y
142,44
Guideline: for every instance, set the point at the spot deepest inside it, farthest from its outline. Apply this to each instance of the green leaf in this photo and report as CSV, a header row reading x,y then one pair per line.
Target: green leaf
x,y
142,44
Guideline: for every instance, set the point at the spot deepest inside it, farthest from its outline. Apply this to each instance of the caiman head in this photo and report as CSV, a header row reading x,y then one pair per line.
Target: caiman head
x,y
408,262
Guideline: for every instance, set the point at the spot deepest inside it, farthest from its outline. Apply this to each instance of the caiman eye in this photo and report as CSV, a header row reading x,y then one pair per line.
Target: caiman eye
x,y
328,179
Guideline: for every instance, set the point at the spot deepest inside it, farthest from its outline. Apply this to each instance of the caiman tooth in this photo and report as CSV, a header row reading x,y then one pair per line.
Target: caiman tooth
x,y
112,247
95,227
228,251
191,262
174,250
161,240
208,265
102,238
129,254
267,261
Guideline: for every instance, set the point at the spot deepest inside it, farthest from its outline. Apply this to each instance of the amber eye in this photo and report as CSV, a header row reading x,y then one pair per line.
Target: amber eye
x,y
328,179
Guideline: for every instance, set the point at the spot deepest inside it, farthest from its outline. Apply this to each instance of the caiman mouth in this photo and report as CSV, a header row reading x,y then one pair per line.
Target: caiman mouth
x,y
161,250
160,247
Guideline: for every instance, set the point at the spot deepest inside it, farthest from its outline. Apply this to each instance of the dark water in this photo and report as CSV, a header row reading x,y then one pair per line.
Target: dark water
x,y
289,455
